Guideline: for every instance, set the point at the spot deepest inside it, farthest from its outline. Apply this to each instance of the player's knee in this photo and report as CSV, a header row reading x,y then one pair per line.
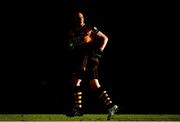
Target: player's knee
x,y
94,84
76,82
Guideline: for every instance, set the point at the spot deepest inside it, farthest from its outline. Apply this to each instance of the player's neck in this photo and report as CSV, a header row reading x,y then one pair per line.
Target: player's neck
x,y
82,24
77,28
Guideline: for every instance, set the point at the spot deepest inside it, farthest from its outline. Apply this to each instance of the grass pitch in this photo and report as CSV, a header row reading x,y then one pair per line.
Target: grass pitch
x,y
89,117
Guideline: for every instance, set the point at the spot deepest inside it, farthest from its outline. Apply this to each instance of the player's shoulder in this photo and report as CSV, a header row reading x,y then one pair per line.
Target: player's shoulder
x,y
93,28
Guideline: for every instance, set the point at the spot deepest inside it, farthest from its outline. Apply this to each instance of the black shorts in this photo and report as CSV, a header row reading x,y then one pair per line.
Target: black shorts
x,y
85,67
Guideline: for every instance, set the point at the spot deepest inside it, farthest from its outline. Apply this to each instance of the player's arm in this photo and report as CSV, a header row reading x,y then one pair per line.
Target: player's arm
x,y
70,40
103,41
103,38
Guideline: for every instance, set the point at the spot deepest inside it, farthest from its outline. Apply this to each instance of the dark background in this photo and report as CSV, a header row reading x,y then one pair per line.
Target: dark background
x,y
139,66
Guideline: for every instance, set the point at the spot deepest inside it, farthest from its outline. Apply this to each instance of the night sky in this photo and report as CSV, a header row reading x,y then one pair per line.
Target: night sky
x,y
138,68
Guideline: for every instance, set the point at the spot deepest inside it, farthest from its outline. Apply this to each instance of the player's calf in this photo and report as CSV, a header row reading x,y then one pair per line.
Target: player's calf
x,y
77,109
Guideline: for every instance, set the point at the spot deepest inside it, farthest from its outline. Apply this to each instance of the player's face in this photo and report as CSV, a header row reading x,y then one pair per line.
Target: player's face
x,y
80,18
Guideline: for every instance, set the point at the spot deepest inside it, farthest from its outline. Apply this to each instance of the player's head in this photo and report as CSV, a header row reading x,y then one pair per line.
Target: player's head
x,y
78,18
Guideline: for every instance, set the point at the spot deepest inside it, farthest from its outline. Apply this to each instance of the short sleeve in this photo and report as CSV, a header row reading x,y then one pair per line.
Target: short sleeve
x,y
95,30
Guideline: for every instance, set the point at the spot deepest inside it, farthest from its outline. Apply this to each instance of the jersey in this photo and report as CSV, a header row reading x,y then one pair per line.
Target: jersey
x,y
82,38
81,45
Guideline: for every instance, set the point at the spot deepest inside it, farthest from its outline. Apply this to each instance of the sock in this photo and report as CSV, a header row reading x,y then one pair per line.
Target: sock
x,y
105,98
77,98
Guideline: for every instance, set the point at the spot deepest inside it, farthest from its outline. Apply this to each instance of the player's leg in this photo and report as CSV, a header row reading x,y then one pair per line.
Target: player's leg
x,y
76,97
102,94
105,97
77,93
